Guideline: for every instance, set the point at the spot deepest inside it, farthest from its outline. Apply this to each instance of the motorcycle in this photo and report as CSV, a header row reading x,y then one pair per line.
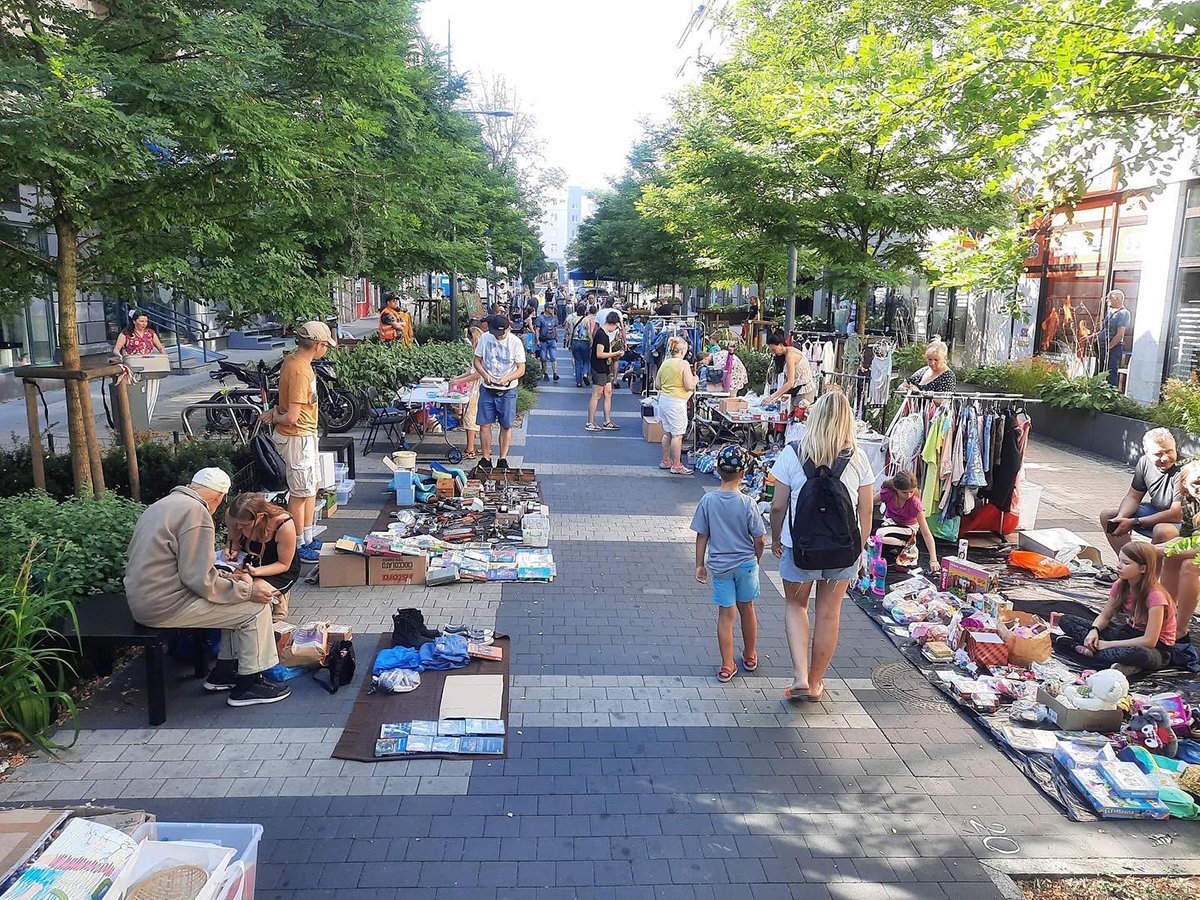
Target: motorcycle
x,y
339,409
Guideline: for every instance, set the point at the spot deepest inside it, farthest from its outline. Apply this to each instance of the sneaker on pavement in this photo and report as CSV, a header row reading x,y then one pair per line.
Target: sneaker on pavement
x,y
484,465
556,377
223,676
310,553
254,690
502,464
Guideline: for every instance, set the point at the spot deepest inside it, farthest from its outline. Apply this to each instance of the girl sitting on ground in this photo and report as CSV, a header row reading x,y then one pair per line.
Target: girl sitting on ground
x,y
1145,642
903,517
266,533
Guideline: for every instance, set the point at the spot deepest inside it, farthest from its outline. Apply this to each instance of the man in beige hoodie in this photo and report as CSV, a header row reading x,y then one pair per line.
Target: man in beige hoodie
x,y
171,581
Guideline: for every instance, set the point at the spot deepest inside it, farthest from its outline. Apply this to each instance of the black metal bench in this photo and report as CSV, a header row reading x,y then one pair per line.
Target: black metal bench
x,y
106,624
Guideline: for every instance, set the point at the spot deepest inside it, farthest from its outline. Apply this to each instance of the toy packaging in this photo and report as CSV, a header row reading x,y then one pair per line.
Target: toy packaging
x,y
1127,780
1107,803
961,577
1073,755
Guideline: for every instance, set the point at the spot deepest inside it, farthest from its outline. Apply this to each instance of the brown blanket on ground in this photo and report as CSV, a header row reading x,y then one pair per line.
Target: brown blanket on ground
x,y
370,711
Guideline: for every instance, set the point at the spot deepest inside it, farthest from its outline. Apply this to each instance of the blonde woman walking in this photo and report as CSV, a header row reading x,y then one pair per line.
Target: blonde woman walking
x,y
829,448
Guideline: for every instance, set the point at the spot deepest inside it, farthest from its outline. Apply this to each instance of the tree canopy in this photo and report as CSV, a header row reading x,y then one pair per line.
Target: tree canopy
x,y
245,153
872,135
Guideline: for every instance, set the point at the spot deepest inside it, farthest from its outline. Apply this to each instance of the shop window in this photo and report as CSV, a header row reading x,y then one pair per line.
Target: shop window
x,y
10,199
1185,348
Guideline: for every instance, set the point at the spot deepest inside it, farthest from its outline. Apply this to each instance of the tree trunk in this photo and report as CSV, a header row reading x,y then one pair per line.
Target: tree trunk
x,y
862,308
67,277
762,290
95,458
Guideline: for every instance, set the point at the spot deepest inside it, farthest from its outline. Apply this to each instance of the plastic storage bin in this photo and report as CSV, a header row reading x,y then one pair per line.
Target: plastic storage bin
x,y
340,471
345,490
242,838
1031,499
406,494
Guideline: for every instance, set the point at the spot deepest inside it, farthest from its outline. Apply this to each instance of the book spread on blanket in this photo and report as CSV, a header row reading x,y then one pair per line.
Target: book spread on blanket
x,y
474,736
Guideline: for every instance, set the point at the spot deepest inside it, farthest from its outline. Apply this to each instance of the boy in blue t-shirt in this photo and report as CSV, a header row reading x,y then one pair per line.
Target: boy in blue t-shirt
x,y
730,528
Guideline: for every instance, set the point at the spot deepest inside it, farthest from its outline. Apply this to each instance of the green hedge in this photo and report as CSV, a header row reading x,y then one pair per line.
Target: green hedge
x,y
84,542
389,367
161,466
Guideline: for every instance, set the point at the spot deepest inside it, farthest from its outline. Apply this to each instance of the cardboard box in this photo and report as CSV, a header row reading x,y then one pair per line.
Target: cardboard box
x,y
396,570
1058,543
446,487
1104,721
733,404
652,431
342,569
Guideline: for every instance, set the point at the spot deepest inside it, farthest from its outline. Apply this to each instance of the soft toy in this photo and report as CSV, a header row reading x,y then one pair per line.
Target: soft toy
x,y
1102,690
1151,728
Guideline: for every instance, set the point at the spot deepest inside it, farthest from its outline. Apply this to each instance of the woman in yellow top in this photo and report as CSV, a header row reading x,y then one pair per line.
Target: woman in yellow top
x,y
675,382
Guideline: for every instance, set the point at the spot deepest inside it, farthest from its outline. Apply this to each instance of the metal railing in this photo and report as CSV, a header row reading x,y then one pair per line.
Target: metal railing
x,y
195,330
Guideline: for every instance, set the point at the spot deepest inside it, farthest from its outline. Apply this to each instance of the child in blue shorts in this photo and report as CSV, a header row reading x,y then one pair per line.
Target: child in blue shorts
x,y
730,528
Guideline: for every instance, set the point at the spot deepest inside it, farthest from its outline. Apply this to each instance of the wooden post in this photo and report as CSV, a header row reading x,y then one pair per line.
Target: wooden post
x,y
35,437
92,449
125,423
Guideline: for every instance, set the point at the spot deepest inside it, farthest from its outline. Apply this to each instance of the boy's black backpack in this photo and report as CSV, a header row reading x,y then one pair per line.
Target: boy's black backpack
x,y
824,527
269,467
340,664
545,329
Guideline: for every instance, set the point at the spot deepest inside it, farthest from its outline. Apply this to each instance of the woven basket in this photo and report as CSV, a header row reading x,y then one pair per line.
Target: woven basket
x,y
176,883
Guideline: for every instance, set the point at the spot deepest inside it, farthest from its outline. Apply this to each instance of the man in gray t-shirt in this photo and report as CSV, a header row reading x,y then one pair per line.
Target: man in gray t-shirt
x,y
1151,507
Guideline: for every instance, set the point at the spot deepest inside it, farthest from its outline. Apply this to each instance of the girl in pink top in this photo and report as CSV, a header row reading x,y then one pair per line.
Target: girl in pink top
x,y
1144,643
903,517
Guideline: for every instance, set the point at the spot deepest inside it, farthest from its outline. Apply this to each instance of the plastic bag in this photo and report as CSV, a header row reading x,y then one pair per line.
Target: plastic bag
x,y
396,681
1040,566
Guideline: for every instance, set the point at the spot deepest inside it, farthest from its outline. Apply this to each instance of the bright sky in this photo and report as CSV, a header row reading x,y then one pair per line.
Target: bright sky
x,y
587,69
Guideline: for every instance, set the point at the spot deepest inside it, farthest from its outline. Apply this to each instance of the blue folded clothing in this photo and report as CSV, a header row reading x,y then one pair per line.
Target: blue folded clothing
x,y
396,658
447,652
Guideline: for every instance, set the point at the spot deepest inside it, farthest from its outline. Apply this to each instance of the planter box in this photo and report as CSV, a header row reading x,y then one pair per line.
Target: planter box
x,y
727,318
1114,437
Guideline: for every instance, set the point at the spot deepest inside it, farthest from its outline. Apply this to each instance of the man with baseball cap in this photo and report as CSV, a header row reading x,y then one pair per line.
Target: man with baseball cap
x,y
171,581
295,419
500,362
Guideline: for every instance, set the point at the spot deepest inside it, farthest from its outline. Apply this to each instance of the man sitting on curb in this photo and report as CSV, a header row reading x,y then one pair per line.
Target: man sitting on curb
x,y
1151,507
171,581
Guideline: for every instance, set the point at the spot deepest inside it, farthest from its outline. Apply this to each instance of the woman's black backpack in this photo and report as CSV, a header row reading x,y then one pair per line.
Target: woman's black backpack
x,y
824,527
340,664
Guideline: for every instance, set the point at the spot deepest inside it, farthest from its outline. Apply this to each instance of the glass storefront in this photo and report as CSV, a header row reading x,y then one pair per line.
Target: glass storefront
x,y
1183,358
1084,254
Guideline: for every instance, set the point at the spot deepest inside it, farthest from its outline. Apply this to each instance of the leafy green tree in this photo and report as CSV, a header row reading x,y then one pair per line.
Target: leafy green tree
x,y
214,146
811,132
624,238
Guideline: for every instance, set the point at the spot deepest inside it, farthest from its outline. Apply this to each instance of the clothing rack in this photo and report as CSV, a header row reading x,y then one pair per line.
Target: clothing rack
x,y
964,404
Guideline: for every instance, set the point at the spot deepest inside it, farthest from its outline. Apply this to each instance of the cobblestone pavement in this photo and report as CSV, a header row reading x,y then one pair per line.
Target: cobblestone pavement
x,y
632,773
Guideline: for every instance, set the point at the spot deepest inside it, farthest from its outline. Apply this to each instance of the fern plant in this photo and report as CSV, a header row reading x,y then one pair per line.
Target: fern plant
x,y
35,657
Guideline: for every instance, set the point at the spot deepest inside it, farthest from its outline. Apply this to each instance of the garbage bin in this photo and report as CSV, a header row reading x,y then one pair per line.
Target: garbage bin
x,y
139,404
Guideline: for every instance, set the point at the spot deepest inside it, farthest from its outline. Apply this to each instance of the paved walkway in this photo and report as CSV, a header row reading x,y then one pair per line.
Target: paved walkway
x,y
632,773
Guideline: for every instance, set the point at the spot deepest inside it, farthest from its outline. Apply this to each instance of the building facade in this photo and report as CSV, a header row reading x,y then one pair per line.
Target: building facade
x,y
560,225
1142,240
